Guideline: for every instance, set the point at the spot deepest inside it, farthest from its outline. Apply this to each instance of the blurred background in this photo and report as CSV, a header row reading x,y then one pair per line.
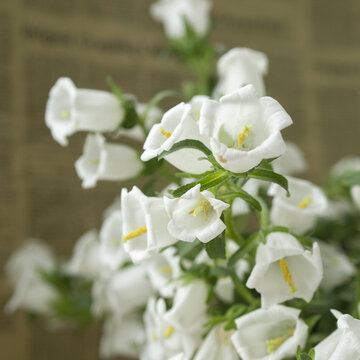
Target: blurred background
x,y
314,52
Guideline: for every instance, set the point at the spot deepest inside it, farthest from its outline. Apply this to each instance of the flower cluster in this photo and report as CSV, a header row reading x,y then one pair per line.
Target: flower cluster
x,y
236,258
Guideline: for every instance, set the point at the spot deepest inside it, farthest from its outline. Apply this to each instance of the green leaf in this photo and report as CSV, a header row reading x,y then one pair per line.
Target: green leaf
x,y
216,247
186,144
206,183
240,193
271,176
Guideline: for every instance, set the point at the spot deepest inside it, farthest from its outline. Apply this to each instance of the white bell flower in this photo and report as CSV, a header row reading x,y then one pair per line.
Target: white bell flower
x,y
291,162
346,164
269,334
106,161
122,336
301,209
343,343
178,330
217,345
284,270
69,110
111,252
196,214
23,268
239,67
122,291
355,195
85,260
144,221
244,129
177,124
173,12
337,266
163,269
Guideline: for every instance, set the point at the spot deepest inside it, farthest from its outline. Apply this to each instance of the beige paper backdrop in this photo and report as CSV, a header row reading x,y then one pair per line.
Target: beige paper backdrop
x,y
314,51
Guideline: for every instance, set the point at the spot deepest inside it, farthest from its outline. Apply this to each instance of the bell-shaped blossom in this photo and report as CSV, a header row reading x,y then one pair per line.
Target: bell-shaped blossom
x,y
178,330
244,129
337,267
196,214
69,110
346,164
269,334
85,260
177,124
104,161
122,336
291,162
144,221
343,343
111,252
239,67
23,270
301,209
284,270
355,195
174,13
163,270
122,291
217,345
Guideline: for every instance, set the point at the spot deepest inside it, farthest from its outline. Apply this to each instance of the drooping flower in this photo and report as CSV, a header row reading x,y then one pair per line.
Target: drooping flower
x,y
284,270
343,343
174,13
244,129
70,109
239,67
217,345
177,124
269,334
196,214
85,260
301,209
337,266
122,335
105,161
144,221
23,270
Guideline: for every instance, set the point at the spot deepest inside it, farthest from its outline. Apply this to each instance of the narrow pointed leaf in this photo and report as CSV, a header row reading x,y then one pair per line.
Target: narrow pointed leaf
x,y
186,144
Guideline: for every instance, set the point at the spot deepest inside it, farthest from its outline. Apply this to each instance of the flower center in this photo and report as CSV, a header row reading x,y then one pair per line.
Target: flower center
x,y
243,135
241,142
203,206
273,344
304,203
287,275
169,331
162,131
165,270
65,114
135,233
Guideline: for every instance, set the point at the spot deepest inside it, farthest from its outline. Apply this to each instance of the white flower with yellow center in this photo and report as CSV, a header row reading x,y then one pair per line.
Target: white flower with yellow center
x,y
177,124
301,209
196,214
178,330
69,110
144,224
343,343
173,12
244,129
106,161
284,270
239,67
337,267
269,334
217,345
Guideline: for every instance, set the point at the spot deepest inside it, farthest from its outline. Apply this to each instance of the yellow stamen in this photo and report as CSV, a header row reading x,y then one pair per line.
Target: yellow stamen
x,y
287,275
304,203
135,233
169,331
196,112
202,206
165,270
162,131
243,134
273,344
65,113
